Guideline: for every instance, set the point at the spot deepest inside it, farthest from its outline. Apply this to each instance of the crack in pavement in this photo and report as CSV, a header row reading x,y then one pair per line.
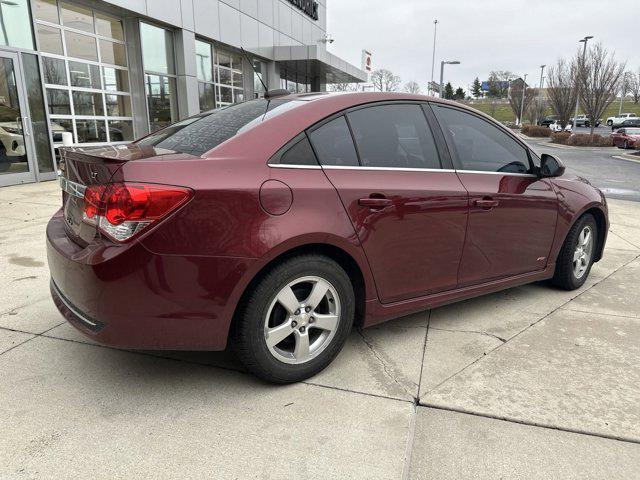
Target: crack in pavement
x,y
503,340
385,368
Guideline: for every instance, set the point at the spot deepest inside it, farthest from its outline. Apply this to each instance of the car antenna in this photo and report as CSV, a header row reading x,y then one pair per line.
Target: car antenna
x,y
268,94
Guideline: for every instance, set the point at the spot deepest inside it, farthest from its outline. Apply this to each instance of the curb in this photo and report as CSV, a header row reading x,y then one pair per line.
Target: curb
x,y
627,157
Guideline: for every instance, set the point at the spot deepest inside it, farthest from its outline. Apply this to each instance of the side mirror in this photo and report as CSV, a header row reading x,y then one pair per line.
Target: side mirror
x,y
550,166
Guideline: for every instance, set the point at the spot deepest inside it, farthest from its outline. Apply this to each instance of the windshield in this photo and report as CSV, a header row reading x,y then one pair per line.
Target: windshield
x,y
197,135
632,131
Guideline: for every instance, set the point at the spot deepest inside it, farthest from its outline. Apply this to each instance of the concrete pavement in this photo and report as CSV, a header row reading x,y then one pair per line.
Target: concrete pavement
x,y
531,382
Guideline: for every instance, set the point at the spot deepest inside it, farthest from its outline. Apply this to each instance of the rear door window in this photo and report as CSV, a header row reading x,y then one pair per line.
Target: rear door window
x,y
333,144
394,136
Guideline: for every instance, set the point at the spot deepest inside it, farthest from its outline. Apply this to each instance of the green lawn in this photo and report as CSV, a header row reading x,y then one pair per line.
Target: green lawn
x,y
504,113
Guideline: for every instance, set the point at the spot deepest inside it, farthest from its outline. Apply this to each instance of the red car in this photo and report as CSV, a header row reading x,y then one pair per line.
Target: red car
x,y
626,138
276,225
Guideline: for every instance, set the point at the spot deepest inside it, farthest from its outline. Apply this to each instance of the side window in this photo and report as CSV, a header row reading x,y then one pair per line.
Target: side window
x,y
299,154
394,136
480,146
333,144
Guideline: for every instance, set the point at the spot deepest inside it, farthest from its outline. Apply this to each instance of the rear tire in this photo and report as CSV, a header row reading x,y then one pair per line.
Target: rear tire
x,y
576,256
286,337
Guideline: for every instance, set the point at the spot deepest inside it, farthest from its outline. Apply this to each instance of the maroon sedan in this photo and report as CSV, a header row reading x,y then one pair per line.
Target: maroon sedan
x,y
626,138
280,223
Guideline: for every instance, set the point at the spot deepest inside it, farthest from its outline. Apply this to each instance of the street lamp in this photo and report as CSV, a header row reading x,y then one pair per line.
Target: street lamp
x,y
433,57
540,90
442,64
584,56
524,90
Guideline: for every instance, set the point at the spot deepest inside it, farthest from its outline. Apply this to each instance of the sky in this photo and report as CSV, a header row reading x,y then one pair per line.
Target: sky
x,y
484,35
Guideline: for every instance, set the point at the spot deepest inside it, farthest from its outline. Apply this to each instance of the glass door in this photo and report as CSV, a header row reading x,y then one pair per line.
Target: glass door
x,y
16,148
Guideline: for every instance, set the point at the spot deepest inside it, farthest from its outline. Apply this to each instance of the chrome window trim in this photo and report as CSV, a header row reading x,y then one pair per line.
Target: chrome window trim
x,y
512,174
386,169
303,167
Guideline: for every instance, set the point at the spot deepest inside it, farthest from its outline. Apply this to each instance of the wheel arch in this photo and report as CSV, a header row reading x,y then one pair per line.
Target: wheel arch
x,y
358,274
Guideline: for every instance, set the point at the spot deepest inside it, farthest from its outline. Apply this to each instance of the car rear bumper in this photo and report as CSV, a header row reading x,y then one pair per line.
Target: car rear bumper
x,y
129,297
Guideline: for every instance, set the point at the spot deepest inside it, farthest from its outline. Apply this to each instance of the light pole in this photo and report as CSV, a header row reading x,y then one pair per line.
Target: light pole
x,y
584,56
433,58
540,90
524,90
442,64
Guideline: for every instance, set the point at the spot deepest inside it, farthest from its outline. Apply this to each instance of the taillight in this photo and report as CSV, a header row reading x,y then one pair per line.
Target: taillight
x,y
123,210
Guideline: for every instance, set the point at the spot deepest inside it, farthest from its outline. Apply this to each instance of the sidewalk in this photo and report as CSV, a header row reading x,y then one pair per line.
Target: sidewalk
x,y
531,382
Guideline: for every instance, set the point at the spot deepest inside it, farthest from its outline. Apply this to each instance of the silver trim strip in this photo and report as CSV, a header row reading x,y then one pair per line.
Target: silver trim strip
x,y
388,169
498,173
301,167
71,307
72,188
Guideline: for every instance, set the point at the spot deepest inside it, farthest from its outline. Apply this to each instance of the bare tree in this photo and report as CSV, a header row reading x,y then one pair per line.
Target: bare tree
x,y
343,87
516,99
599,76
537,110
412,88
499,83
493,106
385,81
561,90
634,85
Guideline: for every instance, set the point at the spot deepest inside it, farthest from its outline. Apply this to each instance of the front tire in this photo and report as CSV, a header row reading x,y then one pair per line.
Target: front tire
x,y
577,254
296,319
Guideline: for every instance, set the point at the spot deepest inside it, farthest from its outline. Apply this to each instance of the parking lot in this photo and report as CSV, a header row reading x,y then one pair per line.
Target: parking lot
x,y
531,382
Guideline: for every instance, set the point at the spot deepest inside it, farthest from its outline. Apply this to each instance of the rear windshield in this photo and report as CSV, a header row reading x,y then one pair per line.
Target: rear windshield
x,y
197,135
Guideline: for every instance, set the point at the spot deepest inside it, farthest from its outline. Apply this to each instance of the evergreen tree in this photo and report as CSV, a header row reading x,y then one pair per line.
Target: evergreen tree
x,y
476,89
448,91
459,95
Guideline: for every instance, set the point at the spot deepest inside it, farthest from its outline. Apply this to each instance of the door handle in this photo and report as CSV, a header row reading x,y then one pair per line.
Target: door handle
x,y
375,203
486,203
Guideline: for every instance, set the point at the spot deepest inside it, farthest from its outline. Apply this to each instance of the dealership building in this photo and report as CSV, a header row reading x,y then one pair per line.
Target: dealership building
x,y
94,72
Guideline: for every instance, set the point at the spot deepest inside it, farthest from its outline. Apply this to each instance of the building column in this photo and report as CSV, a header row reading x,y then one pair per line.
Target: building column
x,y
273,75
187,81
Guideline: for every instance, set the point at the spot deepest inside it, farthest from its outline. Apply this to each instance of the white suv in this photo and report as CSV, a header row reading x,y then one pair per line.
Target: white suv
x,y
618,119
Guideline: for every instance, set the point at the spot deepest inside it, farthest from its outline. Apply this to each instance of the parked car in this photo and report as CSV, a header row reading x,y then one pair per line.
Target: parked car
x,y
276,225
626,138
583,121
630,122
618,119
546,121
556,126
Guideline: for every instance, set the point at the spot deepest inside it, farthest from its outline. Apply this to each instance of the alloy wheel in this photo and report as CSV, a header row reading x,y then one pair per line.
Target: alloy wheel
x,y
583,252
302,320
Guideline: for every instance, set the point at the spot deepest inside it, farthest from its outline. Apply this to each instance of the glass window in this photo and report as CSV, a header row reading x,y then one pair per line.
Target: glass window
x,y
58,126
118,105
157,48
224,59
16,24
113,53
108,26
46,10
87,103
84,75
74,16
225,95
120,130
58,101
224,76
204,61
395,136
204,132
260,72
333,144
238,80
115,79
207,96
49,39
81,46
38,113
300,154
55,72
161,101
480,146
91,131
